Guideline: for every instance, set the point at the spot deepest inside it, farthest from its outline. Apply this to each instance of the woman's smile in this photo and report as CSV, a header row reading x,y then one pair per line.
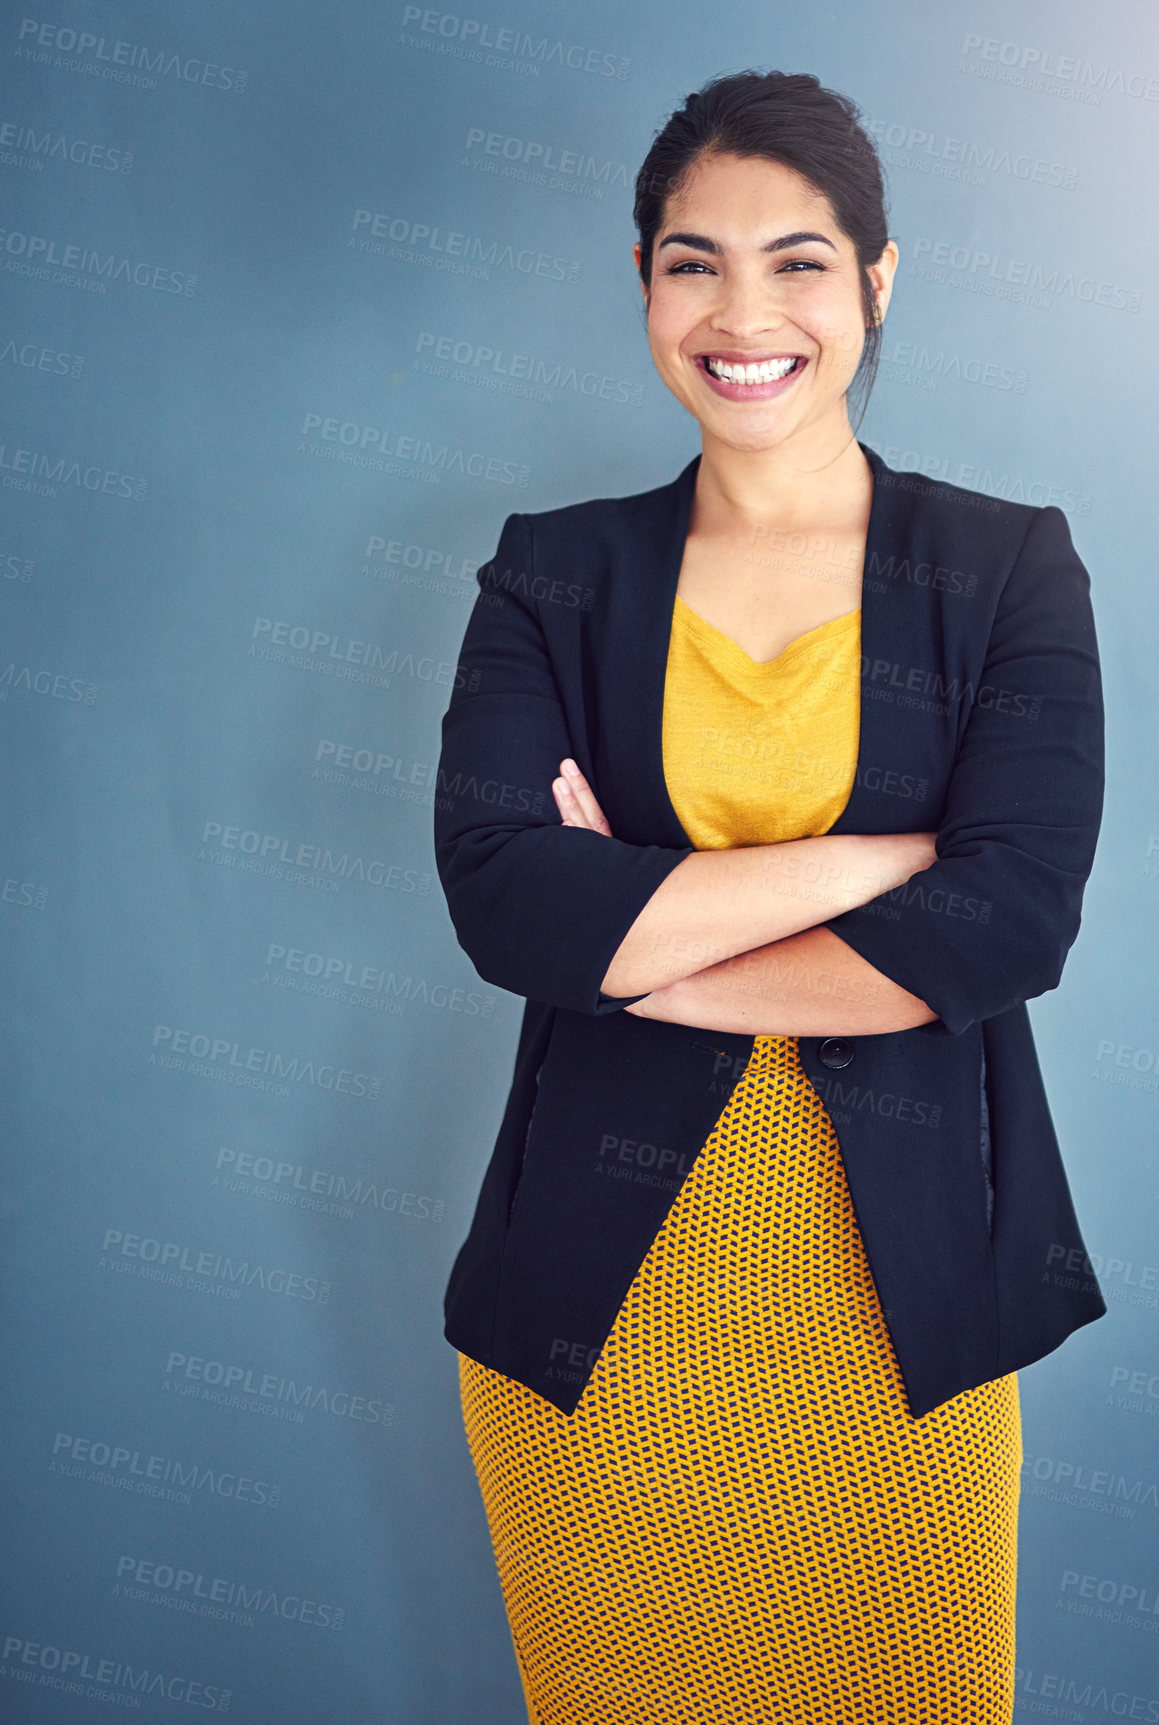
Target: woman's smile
x,y
750,378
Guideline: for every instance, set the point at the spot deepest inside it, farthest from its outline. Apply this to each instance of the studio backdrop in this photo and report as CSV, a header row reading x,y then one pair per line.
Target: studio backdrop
x,y
300,299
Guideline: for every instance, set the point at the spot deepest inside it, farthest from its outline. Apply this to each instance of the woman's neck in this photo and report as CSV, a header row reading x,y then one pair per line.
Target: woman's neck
x,y
822,476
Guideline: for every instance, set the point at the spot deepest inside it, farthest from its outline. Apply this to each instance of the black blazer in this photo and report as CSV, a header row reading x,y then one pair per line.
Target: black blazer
x,y
981,718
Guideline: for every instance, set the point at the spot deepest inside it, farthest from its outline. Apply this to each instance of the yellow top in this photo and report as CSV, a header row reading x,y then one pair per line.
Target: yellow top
x,y
771,746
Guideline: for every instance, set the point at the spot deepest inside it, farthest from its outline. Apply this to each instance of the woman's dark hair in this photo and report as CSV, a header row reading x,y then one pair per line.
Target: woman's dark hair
x,y
786,117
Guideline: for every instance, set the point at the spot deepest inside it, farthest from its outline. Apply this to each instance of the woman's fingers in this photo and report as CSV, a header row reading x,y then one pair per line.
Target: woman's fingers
x,y
576,800
575,810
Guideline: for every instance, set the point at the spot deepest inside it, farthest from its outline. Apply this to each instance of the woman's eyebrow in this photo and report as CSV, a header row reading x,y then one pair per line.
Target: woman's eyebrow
x,y
702,243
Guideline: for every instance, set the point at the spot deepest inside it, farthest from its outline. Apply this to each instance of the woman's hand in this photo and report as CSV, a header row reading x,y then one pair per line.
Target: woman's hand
x,y
576,801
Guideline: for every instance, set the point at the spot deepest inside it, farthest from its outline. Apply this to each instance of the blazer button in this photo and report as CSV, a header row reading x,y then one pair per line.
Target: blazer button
x,y
835,1052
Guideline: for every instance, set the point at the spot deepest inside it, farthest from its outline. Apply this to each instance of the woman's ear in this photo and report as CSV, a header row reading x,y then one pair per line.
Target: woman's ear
x,y
881,274
636,253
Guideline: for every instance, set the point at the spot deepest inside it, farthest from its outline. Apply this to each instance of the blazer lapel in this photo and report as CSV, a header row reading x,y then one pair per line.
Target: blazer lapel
x,y
888,636
630,635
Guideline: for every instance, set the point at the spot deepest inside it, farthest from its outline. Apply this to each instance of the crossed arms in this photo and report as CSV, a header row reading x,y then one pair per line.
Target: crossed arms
x,y
580,919
729,940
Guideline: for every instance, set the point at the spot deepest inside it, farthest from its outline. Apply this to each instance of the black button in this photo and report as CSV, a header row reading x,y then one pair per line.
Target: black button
x,y
835,1052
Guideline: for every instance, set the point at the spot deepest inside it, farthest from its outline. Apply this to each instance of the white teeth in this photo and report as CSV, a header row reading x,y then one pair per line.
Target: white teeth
x,y
768,371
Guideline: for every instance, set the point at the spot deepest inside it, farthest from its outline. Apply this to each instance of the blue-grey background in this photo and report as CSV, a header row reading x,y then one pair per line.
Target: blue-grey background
x,y
300,301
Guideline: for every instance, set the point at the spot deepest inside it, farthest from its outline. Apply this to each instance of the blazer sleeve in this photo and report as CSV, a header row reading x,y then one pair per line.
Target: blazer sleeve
x,y
539,908
989,924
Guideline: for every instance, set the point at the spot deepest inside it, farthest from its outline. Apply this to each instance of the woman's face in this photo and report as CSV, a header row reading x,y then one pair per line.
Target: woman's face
x,y
750,265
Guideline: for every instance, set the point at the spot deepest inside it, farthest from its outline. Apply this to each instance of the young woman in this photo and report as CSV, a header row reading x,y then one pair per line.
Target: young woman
x,y
775,1205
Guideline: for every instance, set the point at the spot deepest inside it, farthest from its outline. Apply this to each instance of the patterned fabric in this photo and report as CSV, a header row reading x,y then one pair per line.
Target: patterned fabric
x,y
741,1521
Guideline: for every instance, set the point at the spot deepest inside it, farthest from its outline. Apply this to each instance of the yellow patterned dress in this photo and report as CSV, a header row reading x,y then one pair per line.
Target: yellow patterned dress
x,y
741,1522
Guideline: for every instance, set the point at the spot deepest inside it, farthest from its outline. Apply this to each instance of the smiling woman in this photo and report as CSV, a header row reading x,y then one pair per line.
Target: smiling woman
x,y
740,1387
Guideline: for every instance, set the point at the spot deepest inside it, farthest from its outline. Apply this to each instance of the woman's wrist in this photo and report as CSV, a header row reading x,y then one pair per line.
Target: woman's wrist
x,y
888,860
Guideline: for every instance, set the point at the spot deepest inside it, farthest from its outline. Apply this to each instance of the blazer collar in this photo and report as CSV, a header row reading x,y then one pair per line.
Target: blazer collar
x,y
639,719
